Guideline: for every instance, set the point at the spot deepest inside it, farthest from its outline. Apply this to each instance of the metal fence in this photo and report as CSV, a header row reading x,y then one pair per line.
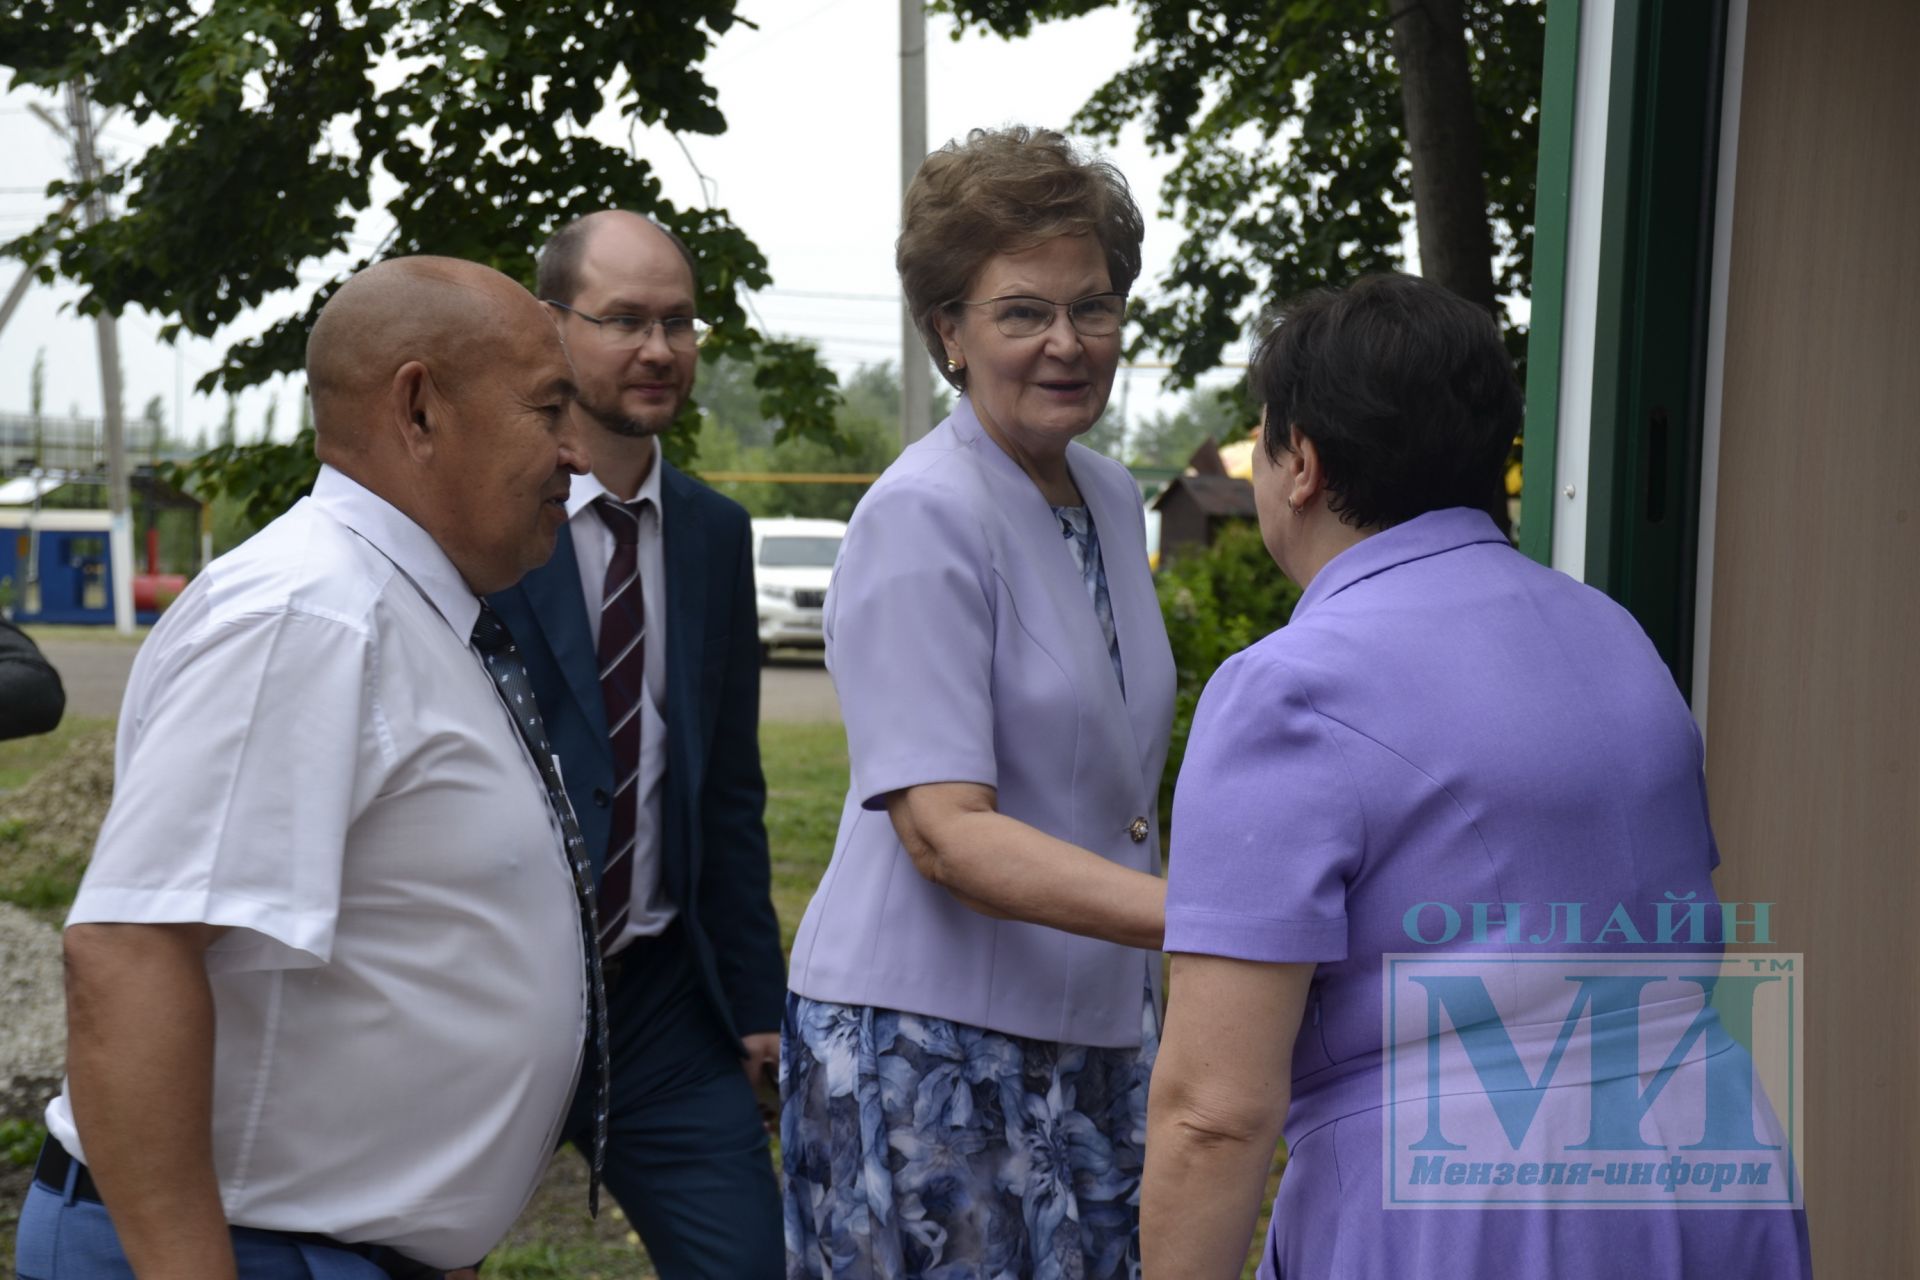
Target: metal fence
x,y
73,444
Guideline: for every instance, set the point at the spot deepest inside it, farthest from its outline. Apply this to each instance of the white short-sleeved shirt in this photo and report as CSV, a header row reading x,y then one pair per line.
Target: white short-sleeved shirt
x,y
312,754
650,911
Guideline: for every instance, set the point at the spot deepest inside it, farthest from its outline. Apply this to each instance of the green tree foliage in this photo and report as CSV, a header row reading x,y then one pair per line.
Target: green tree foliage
x,y
151,434
37,400
1288,124
732,438
1110,434
1169,439
284,114
252,483
1166,439
730,415
1215,604
37,387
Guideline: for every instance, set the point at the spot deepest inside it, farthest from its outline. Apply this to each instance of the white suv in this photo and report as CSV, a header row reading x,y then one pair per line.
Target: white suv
x,y
792,563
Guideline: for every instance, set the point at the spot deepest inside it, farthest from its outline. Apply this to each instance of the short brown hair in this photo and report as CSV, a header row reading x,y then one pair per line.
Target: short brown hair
x,y
557,277
1004,191
1404,387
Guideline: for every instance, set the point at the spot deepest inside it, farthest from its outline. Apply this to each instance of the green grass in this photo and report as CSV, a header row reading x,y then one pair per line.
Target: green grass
x,y
21,758
555,1238
45,890
20,1141
806,768
559,1262
38,872
63,632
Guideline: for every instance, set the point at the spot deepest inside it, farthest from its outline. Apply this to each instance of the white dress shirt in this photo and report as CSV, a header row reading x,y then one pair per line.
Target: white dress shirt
x,y
651,910
312,754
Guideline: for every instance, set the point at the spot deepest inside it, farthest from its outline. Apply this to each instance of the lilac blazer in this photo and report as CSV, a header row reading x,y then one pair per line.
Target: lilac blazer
x,y
964,648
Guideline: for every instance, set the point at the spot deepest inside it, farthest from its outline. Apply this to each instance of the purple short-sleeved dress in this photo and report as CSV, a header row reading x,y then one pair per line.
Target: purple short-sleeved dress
x,y
1445,721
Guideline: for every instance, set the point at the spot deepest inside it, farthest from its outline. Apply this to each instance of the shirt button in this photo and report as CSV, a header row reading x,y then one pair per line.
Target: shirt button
x,y
1137,829
600,797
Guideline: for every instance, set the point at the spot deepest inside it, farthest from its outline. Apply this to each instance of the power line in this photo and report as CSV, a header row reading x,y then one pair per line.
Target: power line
x,y
1148,367
709,192
819,335
892,299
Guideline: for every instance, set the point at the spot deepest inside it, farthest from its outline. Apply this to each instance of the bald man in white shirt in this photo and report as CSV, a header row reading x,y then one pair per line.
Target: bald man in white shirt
x,y
326,980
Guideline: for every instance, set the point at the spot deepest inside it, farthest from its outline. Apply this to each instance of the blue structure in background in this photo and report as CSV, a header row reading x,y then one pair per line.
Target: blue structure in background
x,y
74,579
55,566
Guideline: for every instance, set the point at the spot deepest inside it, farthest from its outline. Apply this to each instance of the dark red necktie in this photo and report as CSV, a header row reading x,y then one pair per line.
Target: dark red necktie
x,y
623,629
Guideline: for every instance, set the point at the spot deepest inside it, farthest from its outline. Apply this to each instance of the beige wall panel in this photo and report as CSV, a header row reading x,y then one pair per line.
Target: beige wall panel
x,y
1814,722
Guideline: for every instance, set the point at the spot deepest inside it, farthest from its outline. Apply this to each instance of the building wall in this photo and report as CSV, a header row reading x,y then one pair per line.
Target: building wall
x,y
1813,733
1183,527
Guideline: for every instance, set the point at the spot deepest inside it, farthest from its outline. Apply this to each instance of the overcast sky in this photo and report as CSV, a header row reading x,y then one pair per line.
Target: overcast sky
x,y
809,167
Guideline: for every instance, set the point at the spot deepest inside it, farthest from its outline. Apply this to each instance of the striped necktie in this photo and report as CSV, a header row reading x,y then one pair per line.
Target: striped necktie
x,y
502,656
623,629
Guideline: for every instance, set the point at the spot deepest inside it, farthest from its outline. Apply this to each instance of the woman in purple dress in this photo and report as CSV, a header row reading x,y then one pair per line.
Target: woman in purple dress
x,y
1455,755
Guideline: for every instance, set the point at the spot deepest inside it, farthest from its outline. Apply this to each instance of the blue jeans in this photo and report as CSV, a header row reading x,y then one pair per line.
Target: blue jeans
x,y
62,1237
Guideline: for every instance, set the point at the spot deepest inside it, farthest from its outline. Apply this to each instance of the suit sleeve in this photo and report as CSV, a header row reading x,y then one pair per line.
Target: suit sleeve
x,y
910,641
736,902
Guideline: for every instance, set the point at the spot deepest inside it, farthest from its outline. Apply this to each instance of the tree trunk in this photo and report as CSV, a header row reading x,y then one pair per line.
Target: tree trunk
x,y
1443,136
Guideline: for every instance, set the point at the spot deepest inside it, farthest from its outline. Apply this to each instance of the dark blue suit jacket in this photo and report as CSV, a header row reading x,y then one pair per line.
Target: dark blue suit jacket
x,y
714,842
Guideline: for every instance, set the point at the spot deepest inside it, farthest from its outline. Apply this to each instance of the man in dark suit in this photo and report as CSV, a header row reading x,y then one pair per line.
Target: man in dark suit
x,y
641,642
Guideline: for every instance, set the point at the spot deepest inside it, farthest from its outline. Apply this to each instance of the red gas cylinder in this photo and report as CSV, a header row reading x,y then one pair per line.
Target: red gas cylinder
x,y
153,592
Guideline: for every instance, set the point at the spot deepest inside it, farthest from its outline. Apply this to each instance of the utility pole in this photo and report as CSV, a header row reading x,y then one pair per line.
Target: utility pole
x,y
916,384
37,391
120,534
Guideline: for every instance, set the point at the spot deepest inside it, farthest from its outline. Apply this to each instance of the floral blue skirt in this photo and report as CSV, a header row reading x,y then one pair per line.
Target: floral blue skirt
x,y
919,1149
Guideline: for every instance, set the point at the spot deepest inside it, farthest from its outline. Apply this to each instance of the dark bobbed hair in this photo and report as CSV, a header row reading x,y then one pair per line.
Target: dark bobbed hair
x,y
1005,191
558,274
1404,387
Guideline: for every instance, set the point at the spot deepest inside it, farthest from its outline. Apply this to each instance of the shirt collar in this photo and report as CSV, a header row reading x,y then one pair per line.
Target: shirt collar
x,y
1428,534
412,549
586,488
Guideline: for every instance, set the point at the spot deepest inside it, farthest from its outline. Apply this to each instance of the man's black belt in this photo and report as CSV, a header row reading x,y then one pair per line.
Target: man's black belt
x,y
55,1163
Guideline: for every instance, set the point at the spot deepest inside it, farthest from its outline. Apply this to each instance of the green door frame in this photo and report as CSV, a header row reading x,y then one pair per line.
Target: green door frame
x,y
1553,199
1650,344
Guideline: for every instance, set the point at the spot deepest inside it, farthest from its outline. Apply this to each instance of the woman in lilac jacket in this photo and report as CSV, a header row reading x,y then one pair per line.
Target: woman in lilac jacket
x,y
972,1019
1454,752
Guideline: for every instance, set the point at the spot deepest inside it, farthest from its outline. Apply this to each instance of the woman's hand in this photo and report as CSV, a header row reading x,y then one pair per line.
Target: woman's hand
x,y
1002,867
1219,1098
